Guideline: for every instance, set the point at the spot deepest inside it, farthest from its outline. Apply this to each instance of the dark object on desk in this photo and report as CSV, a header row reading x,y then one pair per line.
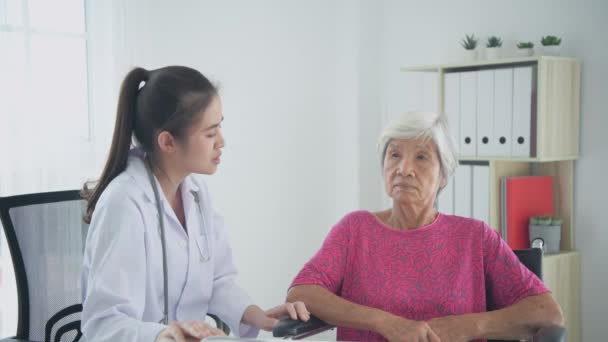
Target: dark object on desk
x,y
532,258
298,329
46,237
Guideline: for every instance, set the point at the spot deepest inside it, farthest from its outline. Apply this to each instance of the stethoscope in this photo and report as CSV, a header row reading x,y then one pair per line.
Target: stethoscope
x,y
161,221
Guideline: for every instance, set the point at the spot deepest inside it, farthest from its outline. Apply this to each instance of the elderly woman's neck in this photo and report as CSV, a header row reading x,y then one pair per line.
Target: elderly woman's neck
x,y
410,217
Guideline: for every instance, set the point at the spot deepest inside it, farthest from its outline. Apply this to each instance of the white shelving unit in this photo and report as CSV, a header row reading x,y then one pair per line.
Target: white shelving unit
x,y
554,148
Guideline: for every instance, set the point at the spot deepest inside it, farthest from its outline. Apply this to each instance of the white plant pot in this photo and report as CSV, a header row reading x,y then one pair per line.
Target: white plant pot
x,y
552,50
525,52
470,55
493,53
550,235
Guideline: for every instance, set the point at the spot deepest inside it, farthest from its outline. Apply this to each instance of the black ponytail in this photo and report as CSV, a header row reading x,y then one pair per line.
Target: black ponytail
x,y
171,99
121,141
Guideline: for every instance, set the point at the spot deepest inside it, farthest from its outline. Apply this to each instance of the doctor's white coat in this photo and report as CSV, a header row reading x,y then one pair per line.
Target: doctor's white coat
x,y
122,277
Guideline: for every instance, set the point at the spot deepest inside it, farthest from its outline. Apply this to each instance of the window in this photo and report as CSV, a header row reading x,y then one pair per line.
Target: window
x,y
44,109
43,68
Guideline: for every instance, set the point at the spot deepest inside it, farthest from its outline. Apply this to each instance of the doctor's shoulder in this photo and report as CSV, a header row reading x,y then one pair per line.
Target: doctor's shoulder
x,y
122,194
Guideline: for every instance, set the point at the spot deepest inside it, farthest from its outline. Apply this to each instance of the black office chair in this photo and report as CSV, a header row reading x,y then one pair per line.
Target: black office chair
x,y
532,258
46,237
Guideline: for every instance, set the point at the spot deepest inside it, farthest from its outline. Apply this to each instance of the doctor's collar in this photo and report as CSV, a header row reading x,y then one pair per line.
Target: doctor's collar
x,y
136,168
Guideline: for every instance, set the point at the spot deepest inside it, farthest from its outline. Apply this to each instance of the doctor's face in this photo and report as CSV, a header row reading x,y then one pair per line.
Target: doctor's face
x,y
205,141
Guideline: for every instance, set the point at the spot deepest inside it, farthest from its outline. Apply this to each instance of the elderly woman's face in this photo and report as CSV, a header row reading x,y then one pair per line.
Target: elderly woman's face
x,y
412,171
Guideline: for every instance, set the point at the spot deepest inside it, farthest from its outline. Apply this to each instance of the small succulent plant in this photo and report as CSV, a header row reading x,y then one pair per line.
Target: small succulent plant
x,y
469,42
550,41
545,220
525,45
494,42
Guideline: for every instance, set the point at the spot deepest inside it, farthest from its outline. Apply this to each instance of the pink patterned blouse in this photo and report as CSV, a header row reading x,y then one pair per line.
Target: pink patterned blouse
x,y
452,266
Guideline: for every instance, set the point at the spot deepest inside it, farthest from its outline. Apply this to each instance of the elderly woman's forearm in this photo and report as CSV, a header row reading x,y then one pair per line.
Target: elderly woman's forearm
x,y
521,320
335,310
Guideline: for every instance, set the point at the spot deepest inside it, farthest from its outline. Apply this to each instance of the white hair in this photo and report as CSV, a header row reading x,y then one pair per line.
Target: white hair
x,y
425,125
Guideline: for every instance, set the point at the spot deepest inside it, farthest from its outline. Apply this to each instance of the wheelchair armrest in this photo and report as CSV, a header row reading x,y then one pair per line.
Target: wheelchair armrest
x,y
299,329
552,333
296,329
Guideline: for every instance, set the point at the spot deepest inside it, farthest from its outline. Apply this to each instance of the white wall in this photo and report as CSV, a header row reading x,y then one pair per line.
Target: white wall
x,y
306,88
428,32
292,88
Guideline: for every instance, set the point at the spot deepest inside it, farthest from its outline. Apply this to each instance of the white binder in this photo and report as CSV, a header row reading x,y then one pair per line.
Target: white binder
x,y
503,112
481,192
445,201
463,191
485,113
522,111
468,114
452,105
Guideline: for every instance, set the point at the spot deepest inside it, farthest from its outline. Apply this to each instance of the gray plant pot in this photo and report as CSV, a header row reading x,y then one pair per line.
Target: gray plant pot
x,y
550,234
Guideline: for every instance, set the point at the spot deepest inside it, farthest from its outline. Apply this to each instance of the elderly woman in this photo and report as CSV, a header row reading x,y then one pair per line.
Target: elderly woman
x,y
410,273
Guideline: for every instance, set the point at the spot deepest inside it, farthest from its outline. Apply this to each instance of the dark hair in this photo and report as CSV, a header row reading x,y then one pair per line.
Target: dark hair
x,y
170,99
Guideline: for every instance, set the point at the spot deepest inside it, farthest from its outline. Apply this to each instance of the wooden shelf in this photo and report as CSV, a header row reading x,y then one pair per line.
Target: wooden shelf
x,y
560,255
520,159
558,107
561,274
485,63
554,131
563,190
554,136
556,104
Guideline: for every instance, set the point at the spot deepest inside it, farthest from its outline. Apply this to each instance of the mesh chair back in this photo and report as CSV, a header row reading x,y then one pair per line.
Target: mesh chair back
x,y
46,236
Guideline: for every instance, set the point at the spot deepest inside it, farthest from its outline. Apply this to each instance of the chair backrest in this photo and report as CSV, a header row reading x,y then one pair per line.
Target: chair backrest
x,y
46,237
532,258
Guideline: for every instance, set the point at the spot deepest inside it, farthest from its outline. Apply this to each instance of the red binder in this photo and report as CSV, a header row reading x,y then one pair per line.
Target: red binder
x,y
524,197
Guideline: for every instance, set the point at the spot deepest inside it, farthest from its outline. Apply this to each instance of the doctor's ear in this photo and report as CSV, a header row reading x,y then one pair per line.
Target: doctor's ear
x,y
166,142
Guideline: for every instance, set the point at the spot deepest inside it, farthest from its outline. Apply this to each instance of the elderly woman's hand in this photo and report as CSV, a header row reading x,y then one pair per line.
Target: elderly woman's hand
x,y
453,328
398,329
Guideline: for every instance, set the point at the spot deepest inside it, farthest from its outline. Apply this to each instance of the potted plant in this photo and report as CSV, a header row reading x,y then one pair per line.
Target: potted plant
x,y
469,43
525,48
493,47
551,45
548,229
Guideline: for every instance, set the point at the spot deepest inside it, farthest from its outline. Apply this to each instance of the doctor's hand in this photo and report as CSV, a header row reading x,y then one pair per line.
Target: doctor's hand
x,y
266,320
187,331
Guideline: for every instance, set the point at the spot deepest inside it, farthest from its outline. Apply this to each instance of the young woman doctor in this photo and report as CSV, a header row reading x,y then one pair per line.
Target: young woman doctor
x,y
157,259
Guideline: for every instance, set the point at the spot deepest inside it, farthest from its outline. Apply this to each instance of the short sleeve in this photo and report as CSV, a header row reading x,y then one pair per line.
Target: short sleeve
x,y
328,265
507,279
